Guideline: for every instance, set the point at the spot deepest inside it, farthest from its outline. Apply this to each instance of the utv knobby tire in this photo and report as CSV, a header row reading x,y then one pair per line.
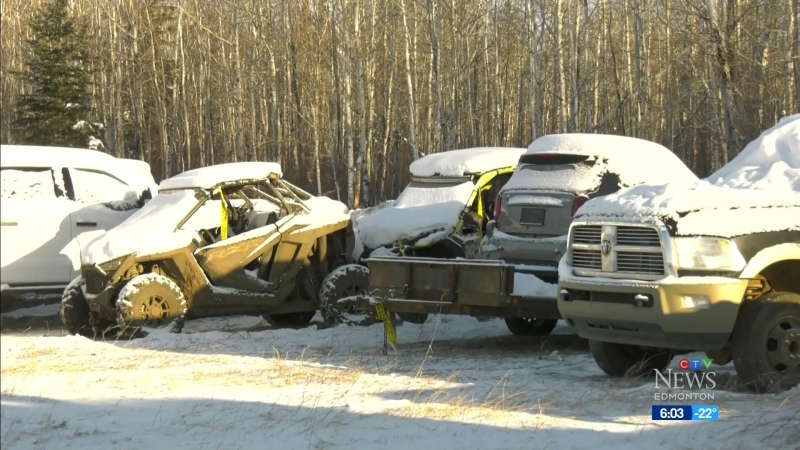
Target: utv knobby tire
x,y
621,360
345,281
765,343
141,303
530,326
75,313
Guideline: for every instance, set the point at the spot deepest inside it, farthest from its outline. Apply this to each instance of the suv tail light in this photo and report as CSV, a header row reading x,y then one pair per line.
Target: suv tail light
x,y
578,202
497,204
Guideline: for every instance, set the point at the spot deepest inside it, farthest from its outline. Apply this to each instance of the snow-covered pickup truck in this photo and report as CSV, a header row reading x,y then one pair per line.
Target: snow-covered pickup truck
x,y
710,266
220,240
50,196
516,274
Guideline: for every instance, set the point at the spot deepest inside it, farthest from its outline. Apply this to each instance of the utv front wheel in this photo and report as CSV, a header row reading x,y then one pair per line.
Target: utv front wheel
x,y
766,342
346,281
620,360
75,310
152,301
530,326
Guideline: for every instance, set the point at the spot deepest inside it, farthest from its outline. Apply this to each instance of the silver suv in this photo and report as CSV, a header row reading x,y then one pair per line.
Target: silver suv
x,y
554,178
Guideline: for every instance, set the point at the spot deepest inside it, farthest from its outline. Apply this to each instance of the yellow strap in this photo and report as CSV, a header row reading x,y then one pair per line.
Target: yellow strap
x,y
223,215
388,326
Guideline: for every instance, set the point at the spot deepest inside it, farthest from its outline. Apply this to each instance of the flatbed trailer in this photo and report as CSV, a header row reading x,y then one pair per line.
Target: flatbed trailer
x,y
477,288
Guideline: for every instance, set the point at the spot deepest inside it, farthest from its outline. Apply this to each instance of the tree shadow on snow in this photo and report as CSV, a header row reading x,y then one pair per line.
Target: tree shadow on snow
x,y
213,423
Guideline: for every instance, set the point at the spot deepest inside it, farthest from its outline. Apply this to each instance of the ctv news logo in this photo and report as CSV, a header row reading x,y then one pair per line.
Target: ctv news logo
x,y
691,374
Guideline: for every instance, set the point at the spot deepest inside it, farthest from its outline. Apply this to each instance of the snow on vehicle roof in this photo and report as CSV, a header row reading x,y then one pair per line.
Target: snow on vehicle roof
x,y
44,156
208,177
757,191
457,163
771,160
635,160
35,156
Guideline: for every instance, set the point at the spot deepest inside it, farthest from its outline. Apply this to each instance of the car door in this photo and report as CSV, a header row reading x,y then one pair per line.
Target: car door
x,y
100,200
35,229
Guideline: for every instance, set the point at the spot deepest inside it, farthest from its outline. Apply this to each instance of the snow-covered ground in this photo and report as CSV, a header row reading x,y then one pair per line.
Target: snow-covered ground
x,y
454,383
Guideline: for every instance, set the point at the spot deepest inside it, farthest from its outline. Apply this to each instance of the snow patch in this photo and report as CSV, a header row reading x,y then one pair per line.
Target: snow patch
x,y
770,161
457,163
535,200
528,285
478,388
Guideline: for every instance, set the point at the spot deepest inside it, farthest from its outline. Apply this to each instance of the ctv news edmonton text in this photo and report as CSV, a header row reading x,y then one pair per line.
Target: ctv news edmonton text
x,y
691,374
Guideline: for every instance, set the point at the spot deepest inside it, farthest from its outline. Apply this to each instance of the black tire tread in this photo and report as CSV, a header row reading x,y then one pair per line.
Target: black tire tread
x,y
75,314
519,326
332,290
621,360
747,342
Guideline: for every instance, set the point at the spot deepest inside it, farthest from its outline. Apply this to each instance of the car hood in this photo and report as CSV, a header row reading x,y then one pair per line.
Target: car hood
x,y
416,213
149,230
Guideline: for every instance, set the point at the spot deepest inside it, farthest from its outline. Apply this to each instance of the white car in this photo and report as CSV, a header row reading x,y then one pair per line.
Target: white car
x,y
50,195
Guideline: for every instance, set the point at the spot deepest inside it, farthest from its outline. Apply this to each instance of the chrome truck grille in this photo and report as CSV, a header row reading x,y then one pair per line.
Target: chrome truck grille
x,y
617,251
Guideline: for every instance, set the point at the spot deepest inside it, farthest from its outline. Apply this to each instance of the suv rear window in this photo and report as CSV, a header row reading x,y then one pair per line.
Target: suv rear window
x,y
569,173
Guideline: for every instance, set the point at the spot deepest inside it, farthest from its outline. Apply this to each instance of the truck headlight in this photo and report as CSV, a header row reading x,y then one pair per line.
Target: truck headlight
x,y
705,253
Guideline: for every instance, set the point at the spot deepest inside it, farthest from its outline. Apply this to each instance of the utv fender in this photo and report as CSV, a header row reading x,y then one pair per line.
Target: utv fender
x,y
769,256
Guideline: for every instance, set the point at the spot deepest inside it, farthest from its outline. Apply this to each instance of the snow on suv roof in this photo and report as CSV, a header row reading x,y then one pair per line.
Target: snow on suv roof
x,y
458,163
635,160
208,177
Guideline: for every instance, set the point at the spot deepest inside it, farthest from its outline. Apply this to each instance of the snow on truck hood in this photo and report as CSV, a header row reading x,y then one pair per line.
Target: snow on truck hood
x,y
457,163
415,212
757,191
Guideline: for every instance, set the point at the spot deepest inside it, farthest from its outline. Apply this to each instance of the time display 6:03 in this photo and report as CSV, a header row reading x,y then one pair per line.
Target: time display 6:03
x,y
672,412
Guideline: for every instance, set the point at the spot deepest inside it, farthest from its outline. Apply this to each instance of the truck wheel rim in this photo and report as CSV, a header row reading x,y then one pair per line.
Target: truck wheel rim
x,y
783,344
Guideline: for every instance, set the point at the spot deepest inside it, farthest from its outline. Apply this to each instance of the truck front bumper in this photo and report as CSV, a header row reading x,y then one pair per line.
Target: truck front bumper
x,y
687,313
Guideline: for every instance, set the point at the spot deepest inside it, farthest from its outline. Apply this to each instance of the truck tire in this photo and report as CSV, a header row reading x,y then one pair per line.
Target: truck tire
x,y
75,310
530,326
629,361
345,281
151,300
766,342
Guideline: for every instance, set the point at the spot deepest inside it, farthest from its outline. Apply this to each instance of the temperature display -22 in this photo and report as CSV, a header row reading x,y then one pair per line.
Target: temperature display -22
x,y
685,412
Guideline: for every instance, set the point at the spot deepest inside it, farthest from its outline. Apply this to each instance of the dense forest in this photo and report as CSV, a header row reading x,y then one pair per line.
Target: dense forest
x,y
345,93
